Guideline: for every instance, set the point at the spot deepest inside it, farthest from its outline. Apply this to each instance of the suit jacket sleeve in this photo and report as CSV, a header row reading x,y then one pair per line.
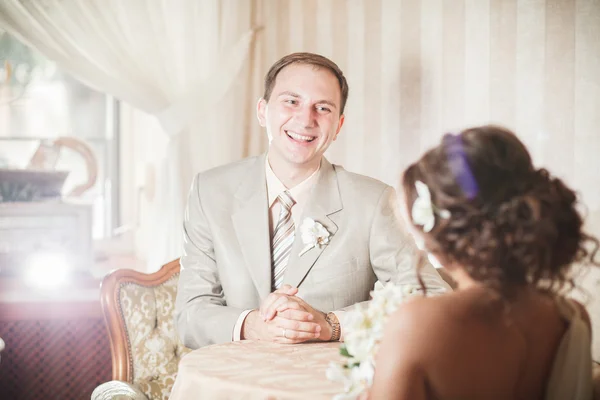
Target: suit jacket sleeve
x,y
202,316
394,255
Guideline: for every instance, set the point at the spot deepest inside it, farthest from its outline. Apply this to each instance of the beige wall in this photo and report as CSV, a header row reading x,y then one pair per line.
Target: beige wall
x,y
417,69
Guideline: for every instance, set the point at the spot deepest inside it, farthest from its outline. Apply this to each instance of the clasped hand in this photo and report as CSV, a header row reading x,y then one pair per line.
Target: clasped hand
x,y
285,318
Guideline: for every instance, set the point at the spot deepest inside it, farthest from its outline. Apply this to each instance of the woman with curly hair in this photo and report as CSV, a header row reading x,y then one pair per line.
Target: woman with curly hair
x,y
507,233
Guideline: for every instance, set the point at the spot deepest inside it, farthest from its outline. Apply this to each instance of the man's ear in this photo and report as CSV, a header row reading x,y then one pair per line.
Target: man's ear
x,y
261,112
340,123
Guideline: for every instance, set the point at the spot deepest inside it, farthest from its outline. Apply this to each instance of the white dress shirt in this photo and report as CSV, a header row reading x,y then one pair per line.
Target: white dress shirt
x,y
275,187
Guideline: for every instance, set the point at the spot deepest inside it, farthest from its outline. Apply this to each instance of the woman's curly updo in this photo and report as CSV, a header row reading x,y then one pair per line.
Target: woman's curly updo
x,y
510,224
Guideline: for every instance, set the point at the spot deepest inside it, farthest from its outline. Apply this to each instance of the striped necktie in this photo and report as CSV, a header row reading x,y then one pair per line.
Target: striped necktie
x,y
283,238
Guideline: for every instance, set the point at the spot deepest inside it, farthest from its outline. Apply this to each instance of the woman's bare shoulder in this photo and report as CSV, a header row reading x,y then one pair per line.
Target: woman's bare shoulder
x,y
424,316
426,329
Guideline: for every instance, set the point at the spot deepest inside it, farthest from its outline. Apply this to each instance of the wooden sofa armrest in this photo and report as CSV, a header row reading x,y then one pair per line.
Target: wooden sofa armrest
x,y
122,364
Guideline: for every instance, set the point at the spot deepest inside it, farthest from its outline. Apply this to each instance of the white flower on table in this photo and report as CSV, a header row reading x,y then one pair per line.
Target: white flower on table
x,y
364,330
313,234
355,380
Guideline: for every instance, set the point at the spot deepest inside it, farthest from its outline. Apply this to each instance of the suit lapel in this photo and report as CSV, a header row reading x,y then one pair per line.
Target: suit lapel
x,y
324,201
251,223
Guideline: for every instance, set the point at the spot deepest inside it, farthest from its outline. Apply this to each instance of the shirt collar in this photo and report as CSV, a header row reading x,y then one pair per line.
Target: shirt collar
x,y
275,187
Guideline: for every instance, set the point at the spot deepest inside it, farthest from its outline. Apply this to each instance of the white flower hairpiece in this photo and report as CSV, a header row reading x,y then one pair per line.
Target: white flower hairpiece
x,y
313,234
423,210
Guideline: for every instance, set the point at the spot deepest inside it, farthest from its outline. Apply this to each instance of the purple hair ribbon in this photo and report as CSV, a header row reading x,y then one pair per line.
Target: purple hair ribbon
x,y
459,165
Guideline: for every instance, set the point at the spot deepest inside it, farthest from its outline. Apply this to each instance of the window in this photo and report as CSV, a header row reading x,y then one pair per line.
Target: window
x,y
38,103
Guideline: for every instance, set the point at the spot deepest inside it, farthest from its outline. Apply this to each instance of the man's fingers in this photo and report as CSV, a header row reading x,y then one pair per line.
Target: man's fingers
x,y
284,291
268,302
302,336
281,340
290,305
291,325
287,289
290,335
270,311
296,314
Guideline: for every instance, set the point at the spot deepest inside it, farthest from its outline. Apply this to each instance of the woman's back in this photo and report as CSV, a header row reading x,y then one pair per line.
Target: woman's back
x,y
499,353
504,230
469,346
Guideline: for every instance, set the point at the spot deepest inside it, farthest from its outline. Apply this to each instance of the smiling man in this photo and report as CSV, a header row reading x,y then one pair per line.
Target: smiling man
x,y
277,246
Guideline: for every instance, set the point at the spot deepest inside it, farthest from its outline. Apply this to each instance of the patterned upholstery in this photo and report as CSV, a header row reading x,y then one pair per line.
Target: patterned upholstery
x,y
152,342
155,346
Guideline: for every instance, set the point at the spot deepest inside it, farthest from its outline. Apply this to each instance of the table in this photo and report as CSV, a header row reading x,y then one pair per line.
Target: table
x,y
257,370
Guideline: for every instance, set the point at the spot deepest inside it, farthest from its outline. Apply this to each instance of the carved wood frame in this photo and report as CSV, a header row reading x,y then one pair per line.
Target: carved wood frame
x,y
110,293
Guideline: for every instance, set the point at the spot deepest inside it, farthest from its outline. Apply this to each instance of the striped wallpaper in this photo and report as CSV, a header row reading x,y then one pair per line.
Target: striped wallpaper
x,y
419,68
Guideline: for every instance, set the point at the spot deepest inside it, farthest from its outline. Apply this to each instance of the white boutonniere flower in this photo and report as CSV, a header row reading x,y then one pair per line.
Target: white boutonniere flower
x,y
423,210
313,234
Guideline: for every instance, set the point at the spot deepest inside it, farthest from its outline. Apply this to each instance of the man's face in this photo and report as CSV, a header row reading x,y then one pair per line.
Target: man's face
x,y
302,116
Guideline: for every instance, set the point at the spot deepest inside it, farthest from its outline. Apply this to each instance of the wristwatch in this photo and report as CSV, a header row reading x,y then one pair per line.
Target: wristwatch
x,y
332,320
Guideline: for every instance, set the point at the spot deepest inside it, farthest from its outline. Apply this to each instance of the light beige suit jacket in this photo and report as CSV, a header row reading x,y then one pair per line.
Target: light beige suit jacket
x,y
226,263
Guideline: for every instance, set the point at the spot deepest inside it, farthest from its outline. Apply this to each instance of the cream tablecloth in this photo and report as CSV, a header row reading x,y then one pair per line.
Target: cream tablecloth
x,y
257,370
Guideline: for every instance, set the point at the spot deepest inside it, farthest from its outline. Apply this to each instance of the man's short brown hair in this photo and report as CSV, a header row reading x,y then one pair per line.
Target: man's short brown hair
x,y
315,60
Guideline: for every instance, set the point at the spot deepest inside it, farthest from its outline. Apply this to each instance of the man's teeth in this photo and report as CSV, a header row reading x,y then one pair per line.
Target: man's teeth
x,y
300,137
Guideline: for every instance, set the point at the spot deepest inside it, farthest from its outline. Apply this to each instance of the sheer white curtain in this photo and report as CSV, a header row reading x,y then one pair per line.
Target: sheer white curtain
x,y
173,59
